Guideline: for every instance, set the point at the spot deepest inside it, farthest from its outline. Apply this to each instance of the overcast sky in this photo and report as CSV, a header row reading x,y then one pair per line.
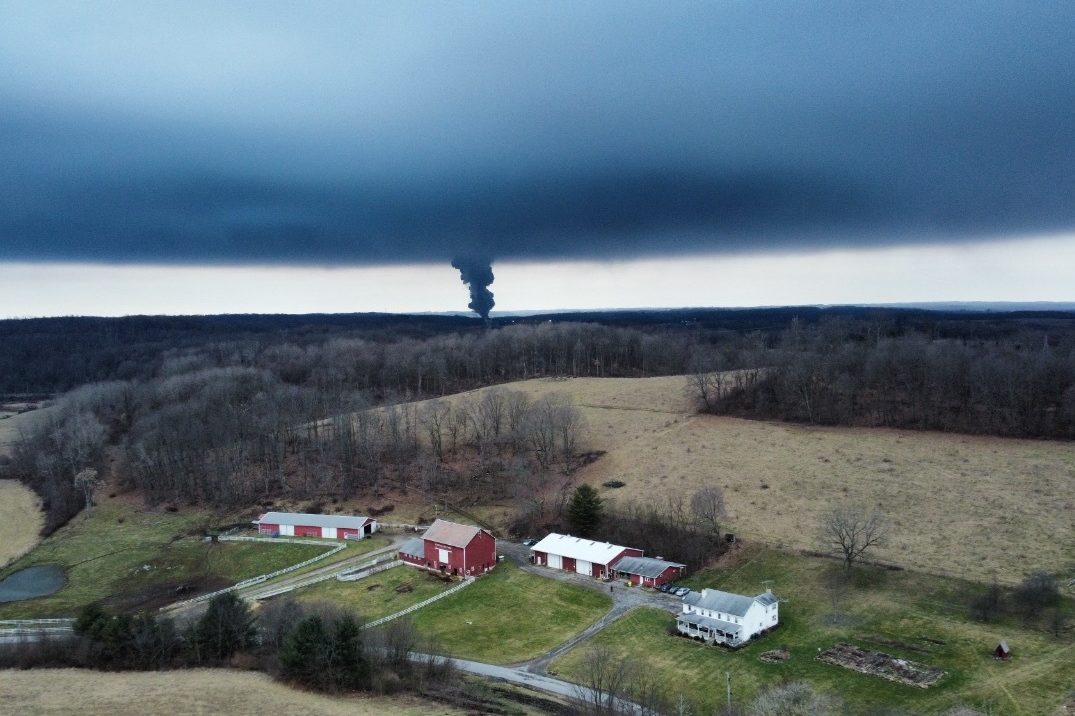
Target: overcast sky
x,y
600,154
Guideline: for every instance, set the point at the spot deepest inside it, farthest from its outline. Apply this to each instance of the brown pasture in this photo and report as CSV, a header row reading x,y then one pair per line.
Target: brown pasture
x,y
973,506
20,520
184,693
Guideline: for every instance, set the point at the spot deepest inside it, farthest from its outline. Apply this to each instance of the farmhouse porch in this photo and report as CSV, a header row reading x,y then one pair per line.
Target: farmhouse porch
x,y
709,630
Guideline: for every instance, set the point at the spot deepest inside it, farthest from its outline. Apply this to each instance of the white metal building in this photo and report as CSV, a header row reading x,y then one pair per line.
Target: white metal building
x,y
577,554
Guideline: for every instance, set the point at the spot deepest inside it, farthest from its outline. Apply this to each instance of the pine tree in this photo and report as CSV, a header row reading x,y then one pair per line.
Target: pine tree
x,y
226,628
584,510
305,653
348,663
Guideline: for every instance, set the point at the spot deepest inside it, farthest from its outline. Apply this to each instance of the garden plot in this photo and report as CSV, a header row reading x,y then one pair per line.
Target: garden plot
x,y
878,663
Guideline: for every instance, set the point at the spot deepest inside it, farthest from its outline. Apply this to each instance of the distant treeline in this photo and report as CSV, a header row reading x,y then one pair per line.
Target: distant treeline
x,y
850,374
52,355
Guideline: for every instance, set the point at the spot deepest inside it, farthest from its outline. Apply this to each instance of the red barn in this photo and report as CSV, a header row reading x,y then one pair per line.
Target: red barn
x,y
452,548
297,524
575,554
649,572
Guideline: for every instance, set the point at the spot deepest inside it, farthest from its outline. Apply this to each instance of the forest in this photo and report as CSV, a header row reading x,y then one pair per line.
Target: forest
x,y
233,411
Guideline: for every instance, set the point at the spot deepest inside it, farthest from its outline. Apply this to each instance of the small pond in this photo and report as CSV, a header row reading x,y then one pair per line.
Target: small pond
x,y
39,581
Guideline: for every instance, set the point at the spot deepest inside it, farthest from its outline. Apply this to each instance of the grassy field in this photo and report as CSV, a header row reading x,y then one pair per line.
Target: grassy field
x,y
510,616
884,606
197,692
136,558
999,500
377,596
20,520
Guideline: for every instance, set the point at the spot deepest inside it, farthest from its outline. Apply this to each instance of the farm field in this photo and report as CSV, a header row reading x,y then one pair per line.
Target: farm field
x,y
12,422
135,558
509,616
998,499
377,596
20,520
194,692
894,612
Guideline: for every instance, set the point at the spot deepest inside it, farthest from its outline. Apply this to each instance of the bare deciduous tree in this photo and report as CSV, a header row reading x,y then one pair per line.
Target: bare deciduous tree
x,y
86,480
851,531
606,679
707,505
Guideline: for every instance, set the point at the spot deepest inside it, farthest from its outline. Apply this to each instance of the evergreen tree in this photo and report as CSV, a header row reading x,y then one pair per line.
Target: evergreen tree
x,y
305,654
348,664
226,627
584,511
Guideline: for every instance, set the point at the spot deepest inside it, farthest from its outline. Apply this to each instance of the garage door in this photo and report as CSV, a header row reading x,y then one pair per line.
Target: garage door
x,y
554,561
582,567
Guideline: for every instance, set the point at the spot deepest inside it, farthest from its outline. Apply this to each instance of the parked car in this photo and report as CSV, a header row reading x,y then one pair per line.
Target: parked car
x,y
530,542
682,592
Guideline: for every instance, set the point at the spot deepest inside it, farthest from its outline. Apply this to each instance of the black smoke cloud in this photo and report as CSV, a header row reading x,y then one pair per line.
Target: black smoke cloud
x,y
477,274
335,133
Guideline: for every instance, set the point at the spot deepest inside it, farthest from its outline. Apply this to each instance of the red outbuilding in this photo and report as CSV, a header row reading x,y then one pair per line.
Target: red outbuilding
x,y
649,572
452,548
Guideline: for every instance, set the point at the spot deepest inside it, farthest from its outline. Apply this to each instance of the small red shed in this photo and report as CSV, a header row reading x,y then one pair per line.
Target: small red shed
x,y
452,548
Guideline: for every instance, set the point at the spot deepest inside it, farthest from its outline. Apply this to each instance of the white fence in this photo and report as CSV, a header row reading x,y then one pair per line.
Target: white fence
x,y
353,575
263,577
32,627
414,607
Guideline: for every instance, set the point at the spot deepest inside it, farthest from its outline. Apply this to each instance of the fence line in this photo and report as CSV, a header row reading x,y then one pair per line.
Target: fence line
x,y
263,577
414,607
283,589
353,575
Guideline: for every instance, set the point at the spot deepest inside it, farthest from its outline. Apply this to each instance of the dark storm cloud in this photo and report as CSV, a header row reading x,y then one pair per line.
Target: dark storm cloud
x,y
337,133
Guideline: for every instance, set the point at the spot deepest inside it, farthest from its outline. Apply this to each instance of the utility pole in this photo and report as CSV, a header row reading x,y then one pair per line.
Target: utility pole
x,y
728,680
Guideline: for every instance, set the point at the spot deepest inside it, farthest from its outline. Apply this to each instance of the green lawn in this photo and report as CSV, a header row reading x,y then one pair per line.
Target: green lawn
x,y
377,596
134,558
897,606
510,616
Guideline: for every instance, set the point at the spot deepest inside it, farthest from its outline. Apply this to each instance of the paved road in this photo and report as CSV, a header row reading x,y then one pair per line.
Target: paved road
x,y
525,678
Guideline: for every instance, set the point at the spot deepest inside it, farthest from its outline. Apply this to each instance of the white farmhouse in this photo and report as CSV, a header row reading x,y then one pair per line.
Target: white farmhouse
x,y
725,618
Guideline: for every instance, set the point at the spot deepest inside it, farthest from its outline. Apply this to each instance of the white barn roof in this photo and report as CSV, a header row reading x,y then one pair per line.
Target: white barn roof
x,y
578,548
300,518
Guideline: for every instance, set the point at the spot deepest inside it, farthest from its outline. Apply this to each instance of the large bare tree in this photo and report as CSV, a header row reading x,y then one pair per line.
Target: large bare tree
x,y
851,531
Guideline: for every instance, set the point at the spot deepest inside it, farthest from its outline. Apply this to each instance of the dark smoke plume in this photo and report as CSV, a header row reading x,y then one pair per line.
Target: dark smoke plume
x,y
477,274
